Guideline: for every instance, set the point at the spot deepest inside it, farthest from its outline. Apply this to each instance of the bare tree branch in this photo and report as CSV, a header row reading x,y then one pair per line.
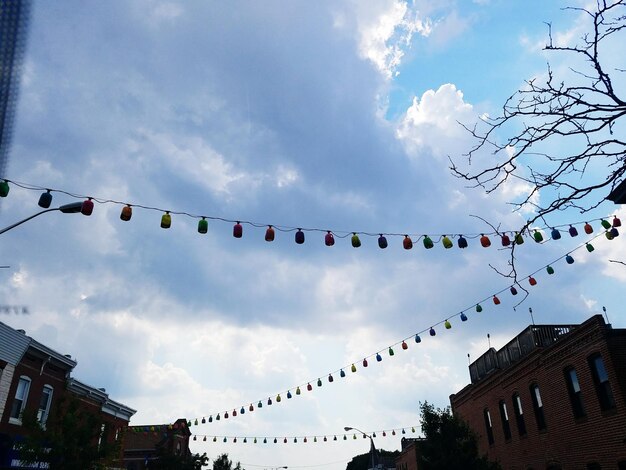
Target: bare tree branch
x,y
561,137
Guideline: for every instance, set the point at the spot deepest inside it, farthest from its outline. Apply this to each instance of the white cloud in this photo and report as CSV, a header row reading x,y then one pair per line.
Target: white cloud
x,y
433,122
386,30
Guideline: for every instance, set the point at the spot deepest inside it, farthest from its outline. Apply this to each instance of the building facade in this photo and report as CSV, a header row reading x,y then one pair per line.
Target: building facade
x,y
553,398
35,380
143,444
409,454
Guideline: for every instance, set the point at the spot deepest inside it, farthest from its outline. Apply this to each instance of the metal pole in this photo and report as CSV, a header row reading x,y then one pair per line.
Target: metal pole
x,y
66,209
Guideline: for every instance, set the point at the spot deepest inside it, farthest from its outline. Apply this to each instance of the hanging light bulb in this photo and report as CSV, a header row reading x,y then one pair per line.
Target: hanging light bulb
x,y
237,230
319,382
265,440
269,401
479,308
432,331
45,199
226,415
298,390
506,241
462,242
538,236
606,224
513,290
519,240
418,339
407,243
203,225
404,345
364,362
203,421
555,234
532,281
204,440
608,235
373,434
295,440
166,220
288,394
589,247
305,439
330,378
403,431
4,188
309,387
616,222
463,317
334,438
355,241
126,214
217,417
234,413
210,419
393,432
329,239
484,240
242,411
428,243
353,368
391,353
315,439
87,207
614,232
569,259
588,228
214,439
278,399
413,429
549,269
254,440
378,357
245,440
572,231
325,439
251,407
447,324
259,404
447,243
299,237
384,434
270,234
496,300
342,373
354,436
345,437
382,241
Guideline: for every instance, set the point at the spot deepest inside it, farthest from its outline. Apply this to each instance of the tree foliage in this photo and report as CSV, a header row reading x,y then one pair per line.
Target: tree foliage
x,y
224,463
449,443
362,461
71,439
167,461
561,134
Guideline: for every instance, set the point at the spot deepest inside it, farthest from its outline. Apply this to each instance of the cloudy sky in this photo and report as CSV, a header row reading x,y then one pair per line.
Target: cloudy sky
x,y
325,115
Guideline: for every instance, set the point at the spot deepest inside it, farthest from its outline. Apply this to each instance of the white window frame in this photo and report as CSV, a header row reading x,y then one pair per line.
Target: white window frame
x,y
42,414
26,380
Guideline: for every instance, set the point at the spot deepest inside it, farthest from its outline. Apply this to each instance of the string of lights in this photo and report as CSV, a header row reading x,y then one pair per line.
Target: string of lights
x,y
507,237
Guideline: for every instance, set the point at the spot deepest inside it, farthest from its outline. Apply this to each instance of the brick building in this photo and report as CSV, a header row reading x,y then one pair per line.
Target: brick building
x,y
143,444
35,379
552,398
409,454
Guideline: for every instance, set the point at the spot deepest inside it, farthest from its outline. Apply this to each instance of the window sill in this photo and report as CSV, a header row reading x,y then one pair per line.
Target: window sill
x,y
16,421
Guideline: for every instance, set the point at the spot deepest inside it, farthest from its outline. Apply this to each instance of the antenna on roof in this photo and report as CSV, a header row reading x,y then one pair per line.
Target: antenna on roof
x,y
489,340
530,310
468,359
607,317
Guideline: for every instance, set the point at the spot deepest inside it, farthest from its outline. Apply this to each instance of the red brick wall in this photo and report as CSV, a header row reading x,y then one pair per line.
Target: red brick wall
x,y
572,443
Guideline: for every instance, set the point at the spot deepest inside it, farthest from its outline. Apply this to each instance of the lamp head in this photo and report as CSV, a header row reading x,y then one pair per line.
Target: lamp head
x,y
348,428
71,208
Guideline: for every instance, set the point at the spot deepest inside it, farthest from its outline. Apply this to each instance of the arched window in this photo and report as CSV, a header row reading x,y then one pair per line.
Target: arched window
x,y
19,402
519,414
488,425
601,381
573,389
538,407
504,416
44,404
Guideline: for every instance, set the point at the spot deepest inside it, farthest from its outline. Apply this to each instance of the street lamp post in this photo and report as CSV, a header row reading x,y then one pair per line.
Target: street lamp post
x,y
373,459
71,208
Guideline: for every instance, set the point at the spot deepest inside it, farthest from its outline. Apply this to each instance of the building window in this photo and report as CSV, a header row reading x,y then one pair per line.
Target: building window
x,y
575,396
504,416
102,437
488,425
538,407
601,381
519,414
44,405
21,394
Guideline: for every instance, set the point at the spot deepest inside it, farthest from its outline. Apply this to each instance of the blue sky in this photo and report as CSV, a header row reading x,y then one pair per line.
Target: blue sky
x,y
327,115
